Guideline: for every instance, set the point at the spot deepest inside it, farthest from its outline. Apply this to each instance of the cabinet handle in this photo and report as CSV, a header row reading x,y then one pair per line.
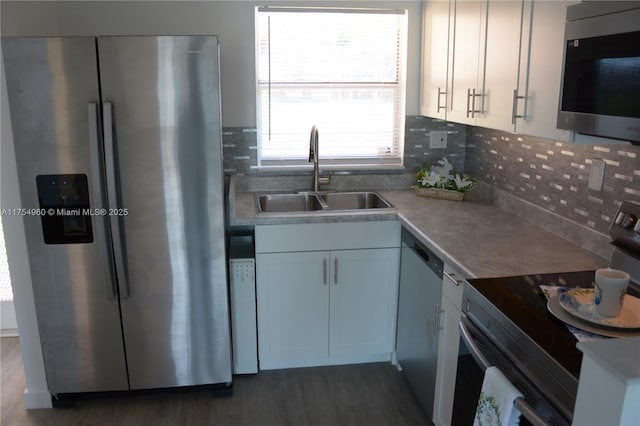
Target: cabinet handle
x,y
473,103
514,111
451,277
471,100
443,92
437,319
335,271
324,271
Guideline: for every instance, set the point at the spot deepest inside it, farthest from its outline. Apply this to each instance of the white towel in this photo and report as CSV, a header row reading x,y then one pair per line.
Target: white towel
x,y
495,405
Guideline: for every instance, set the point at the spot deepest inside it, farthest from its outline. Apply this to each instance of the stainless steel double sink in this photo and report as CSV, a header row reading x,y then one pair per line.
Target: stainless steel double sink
x,y
317,201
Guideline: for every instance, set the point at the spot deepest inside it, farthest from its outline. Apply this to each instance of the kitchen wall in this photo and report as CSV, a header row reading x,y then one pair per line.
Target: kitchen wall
x,y
232,21
554,175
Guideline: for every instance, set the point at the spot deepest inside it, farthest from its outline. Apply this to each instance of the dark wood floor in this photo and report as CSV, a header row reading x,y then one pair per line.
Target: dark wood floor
x,y
366,394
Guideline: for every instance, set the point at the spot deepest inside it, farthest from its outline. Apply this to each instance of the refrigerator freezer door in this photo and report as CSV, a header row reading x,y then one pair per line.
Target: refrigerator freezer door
x,y
164,96
53,93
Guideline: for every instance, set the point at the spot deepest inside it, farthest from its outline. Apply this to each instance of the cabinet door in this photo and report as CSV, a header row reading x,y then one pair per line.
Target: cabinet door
x,y
541,69
293,308
464,60
363,301
448,343
499,65
435,57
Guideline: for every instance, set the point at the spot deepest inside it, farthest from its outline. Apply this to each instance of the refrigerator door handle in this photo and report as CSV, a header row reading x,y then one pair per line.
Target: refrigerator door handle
x,y
98,198
112,195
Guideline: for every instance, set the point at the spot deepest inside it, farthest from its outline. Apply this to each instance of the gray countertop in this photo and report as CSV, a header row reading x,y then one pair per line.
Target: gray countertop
x,y
480,240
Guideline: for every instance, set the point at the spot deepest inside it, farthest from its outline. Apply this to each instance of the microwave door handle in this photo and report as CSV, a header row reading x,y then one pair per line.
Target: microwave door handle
x,y
525,409
98,198
116,235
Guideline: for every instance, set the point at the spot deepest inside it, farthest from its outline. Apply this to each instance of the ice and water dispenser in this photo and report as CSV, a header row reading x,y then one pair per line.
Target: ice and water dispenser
x,y
64,207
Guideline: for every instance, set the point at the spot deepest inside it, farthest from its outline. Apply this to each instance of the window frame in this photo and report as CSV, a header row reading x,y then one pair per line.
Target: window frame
x,y
393,161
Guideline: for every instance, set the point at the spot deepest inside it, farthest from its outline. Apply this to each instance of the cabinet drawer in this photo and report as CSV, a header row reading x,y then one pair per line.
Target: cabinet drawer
x,y
326,236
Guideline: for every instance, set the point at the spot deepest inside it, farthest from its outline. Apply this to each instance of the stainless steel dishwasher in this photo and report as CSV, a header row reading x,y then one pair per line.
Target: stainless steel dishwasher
x,y
421,275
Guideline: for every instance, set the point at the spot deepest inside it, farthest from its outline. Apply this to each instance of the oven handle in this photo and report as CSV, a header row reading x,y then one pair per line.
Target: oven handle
x,y
525,409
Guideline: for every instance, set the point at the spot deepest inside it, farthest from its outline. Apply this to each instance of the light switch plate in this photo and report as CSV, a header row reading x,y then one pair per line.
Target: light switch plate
x,y
596,175
438,139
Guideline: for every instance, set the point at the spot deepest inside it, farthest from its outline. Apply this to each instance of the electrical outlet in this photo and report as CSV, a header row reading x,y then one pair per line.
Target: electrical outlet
x,y
438,139
596,175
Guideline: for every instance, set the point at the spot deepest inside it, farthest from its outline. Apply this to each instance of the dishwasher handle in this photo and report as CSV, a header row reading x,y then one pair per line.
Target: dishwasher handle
x,y
421,252
411,242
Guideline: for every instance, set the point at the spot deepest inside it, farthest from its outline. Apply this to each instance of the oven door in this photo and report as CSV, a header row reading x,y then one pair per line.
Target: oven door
x,y
477,353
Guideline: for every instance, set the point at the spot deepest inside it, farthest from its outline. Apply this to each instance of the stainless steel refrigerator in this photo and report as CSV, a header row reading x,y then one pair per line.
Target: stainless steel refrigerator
x,y
118,148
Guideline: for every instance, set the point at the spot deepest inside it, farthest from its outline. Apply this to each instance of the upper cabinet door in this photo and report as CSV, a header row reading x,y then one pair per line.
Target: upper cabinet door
x,y
435,57
541,69
498,71
503,64
467,37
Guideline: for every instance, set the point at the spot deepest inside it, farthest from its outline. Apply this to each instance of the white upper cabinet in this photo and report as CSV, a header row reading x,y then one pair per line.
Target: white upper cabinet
x,y
503,64
541,69
435,58
498,75
464,61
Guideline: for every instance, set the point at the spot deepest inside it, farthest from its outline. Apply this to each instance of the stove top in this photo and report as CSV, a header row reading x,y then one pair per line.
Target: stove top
x,y
523,303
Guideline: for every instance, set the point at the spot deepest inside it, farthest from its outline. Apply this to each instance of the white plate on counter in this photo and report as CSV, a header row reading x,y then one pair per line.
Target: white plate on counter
x,y
579,303
553,305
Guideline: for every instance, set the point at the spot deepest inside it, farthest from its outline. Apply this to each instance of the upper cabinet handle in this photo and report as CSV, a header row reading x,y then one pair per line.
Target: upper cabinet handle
x,y
471,102
438,106
514,111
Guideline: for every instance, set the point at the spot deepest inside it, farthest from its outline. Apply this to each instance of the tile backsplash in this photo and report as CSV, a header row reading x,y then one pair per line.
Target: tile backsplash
x,y
417,153
240,146
554,175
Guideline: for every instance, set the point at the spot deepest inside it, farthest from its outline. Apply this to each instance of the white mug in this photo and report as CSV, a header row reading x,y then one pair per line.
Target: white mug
x,y
610,288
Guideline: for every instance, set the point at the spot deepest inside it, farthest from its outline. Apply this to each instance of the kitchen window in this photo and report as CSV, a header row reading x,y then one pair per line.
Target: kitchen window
x,y
342,70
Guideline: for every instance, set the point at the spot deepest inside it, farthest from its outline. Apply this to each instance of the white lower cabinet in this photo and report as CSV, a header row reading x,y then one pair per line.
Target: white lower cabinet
x,y
449,339
323,307
293,314
362,303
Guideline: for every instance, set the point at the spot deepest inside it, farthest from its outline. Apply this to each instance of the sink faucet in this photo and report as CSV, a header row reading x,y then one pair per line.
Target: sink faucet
x,y
313,156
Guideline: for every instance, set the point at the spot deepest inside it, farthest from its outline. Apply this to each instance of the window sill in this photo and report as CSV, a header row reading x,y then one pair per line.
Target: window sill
x,y
332,169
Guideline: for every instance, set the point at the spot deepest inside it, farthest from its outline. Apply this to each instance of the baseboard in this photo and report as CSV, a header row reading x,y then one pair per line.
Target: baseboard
x,y
36,399
277,364
9,332
8,324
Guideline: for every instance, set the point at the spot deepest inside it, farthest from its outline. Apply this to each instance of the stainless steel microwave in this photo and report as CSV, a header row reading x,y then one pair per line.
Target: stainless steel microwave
x,y
600,88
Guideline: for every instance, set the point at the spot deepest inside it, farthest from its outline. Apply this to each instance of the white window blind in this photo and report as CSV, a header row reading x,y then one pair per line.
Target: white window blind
x,y
341,70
